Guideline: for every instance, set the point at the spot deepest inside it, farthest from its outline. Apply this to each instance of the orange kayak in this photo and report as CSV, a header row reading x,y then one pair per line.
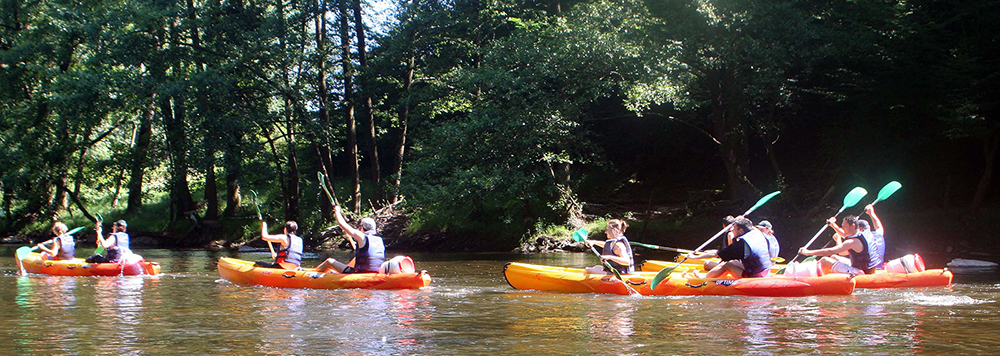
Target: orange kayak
x,y
880,279
576,280
34,263
244,272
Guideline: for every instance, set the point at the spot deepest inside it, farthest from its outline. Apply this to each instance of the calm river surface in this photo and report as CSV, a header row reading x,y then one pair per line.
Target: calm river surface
x,y
469,309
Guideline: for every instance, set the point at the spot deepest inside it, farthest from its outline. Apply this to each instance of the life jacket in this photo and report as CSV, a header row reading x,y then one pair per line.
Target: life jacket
x,y
293,253
871,257
369,256
121,247
609,249
756,257
772,245
67,246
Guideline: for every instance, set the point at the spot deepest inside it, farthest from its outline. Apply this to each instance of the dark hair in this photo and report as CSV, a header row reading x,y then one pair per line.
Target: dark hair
x,y
851,220
291,226
863,225
745,224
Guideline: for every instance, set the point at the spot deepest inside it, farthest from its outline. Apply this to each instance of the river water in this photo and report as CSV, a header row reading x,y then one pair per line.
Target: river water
x,y
469,309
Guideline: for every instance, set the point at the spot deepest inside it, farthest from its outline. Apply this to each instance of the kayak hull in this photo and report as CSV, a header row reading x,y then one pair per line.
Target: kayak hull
x,y
880,279
244,272
576,280
34,263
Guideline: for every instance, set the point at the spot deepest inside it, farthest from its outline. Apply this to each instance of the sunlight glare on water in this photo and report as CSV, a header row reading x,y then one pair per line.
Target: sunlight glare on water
x,y
469,309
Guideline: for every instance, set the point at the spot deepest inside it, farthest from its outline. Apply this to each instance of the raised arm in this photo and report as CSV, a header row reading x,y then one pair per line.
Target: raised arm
x,y
356,235
876,223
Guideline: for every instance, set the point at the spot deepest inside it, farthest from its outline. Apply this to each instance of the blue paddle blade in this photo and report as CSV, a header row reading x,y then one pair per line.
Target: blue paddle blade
x,y
580,235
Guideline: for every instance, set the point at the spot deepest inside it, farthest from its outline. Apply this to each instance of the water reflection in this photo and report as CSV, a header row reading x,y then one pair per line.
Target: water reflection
x,y
468,310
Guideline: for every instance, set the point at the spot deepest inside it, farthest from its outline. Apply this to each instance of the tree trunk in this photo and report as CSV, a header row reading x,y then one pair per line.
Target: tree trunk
x,y
348,73
990,145
138,163
323,149
121,171
731,134
404,116
359,29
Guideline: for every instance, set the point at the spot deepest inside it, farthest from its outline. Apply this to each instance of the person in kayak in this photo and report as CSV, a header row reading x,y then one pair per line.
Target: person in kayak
x,y
63,245
116,244
747,256
616,250
767,229
290,254
369,251
865,248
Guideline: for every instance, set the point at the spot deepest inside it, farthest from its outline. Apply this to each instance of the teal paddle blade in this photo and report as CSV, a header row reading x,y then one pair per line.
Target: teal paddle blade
x,y
75,230
887,191
761,201
580,235
854,196
24,251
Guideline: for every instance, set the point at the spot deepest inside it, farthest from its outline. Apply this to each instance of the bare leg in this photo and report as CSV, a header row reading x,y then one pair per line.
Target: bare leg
x,y
733,267
331,265
826,263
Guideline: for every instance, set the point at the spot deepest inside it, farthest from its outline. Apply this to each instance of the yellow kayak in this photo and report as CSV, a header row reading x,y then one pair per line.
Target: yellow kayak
x,y
244,272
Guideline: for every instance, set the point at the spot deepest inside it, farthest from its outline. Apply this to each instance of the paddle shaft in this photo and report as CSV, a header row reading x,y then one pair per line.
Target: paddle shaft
x,y
817,235
831,240
261,219
655,247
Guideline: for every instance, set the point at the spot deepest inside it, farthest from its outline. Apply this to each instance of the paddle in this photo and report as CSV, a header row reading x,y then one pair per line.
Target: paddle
x,y
253,197
664,273
852,198
333,200
581,235
681,250
100,248
883,194
23,251
887,191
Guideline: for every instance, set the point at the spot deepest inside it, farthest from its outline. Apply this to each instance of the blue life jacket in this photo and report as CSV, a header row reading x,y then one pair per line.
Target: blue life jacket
x,y
293,253
756,257
66,247
369,257
609,249
772,245
871,257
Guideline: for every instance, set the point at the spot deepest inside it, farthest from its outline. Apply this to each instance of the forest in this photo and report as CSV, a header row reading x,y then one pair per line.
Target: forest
x,y
493,121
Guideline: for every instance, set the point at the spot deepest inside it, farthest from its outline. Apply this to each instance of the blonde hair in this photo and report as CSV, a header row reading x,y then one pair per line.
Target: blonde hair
x,y
618,224
59,228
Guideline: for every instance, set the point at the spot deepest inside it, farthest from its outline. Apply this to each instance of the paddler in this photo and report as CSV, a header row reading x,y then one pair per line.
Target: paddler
x,y
290,254
63,245
747,256
864,247
369,253
767,229
616,250
116,244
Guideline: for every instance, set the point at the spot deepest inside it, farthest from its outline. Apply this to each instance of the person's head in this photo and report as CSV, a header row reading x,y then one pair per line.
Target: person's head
x,y
863,225
367,224
59,228
291,227
120,225
741,225
765,227
850,224
616,228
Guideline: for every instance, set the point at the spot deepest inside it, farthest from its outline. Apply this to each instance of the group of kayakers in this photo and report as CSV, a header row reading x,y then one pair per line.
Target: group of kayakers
x,y
63,246
749,249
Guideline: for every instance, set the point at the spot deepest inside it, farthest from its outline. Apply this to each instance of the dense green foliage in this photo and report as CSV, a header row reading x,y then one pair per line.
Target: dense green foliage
x,y
493,118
